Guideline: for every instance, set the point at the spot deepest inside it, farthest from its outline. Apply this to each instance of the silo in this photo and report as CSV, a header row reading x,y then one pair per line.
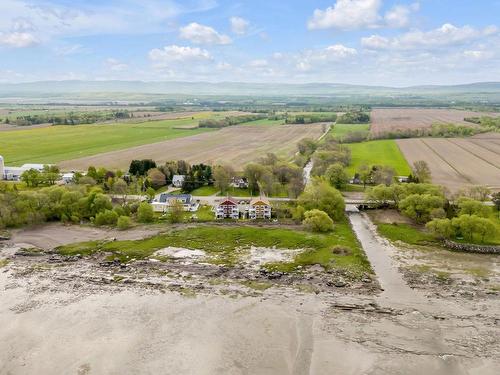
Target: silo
x,y
2,168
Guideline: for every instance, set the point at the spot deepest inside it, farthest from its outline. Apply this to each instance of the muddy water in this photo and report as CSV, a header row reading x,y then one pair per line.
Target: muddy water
x,y
307,172
379,251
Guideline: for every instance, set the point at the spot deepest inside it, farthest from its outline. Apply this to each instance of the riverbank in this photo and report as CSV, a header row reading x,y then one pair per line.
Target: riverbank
x,y
82,315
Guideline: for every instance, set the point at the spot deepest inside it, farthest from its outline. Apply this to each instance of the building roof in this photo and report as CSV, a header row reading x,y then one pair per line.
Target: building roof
x,y
34,166
178,177
165,197
228,201
261,200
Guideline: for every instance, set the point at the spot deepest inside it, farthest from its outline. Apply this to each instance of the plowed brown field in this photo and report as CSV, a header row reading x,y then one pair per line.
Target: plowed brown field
x,y
235,145
459,162
392,119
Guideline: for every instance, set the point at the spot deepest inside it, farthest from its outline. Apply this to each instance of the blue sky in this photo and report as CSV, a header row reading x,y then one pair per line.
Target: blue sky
x,y
376,42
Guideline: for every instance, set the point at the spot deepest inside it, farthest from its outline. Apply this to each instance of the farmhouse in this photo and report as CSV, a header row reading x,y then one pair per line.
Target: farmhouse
x,y
178,180
239,183
227,209
164,202
14,173
68,178
260,208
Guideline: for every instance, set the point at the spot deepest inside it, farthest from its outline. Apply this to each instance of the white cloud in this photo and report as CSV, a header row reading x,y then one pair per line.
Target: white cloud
x,y
166,56
446,35
115,65
478,54
399,15
239,25
259,63
347,15
51,19
359,14
201,34
338,51
316,59
18,39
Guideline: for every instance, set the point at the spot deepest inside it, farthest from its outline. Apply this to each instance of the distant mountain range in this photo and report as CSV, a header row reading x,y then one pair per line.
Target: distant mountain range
x,y
234,88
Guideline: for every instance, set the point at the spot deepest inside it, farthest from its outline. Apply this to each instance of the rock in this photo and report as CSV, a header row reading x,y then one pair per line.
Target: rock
x,y
340,284
366,280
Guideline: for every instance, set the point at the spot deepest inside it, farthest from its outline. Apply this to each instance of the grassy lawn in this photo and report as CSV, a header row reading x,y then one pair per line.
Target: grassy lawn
x,y
56,143
237,192
340,130
383,152
205,191
225,245
418,236
404,233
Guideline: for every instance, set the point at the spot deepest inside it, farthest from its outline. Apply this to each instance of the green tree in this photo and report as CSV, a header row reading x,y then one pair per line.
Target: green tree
x,y
320,195
468,206
106,217
318,221
365,174
31,178
441,228
337,176
176,212
470,225
222,176
496,201
145,213
124,222
420,206
150,192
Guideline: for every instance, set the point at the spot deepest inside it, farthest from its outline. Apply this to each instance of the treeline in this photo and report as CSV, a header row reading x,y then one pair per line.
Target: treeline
x,y
229,121
486,121
74,204
426,204
310,118
156,176
68,118
354,117
436,130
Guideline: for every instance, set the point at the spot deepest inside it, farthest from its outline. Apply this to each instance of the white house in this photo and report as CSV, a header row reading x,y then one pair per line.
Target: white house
x,y
178,180
260,208
68,178
164,201
239,182
227,209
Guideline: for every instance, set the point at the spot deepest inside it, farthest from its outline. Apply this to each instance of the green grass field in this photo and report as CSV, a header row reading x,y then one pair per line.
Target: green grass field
x,y
224,246
384,152
340,130
205,191
56,143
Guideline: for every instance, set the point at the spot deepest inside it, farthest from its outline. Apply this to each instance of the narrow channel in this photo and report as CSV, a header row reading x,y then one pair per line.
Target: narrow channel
x,y
395,289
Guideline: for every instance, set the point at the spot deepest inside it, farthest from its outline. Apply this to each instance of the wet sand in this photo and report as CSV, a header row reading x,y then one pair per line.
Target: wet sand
x,y
55,324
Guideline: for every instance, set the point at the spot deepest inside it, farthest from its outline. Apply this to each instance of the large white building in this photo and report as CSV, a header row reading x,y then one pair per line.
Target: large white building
x,y
14,173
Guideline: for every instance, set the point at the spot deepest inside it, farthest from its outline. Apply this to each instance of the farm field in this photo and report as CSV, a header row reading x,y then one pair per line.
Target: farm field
x,y
56,143
340,130
392,119
458,162
235,145
384,152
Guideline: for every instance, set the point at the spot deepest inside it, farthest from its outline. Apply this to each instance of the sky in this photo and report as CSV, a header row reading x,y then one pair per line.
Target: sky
x,y
367,42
